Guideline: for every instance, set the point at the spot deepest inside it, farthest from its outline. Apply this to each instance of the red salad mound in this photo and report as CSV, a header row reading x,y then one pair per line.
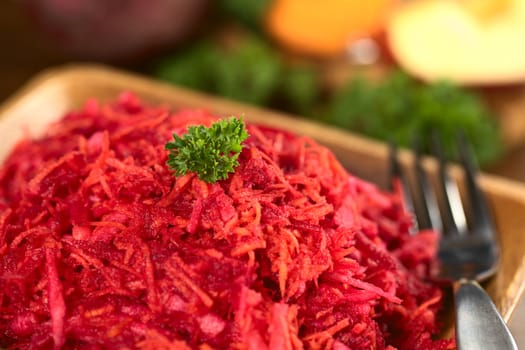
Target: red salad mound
x,y
102,247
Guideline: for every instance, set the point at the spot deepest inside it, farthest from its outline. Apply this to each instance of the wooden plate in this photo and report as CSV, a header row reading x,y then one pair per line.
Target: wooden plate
x,y
58,90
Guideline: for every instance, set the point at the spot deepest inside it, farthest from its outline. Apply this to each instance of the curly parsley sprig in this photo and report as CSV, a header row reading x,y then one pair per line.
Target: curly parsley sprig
x,y
211,153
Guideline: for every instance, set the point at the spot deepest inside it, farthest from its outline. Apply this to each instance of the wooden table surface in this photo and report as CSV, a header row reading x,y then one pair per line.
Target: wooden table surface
x,y
25,52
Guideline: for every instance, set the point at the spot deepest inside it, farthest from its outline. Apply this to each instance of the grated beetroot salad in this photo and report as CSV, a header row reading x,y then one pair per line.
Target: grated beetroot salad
x,y
101,247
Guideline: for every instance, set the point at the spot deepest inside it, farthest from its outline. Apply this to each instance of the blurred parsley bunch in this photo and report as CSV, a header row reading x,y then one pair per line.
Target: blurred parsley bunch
x,y
251,72
399,108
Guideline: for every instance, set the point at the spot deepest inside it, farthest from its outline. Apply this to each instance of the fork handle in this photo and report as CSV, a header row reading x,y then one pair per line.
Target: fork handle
x,y
478,323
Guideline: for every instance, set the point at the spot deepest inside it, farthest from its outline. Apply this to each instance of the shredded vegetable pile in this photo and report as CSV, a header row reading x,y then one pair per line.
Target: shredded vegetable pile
x,y
101,246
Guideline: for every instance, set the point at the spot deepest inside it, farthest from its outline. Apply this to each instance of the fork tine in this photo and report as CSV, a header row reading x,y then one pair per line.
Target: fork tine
x,y
453,215
480,214
400,184
428,215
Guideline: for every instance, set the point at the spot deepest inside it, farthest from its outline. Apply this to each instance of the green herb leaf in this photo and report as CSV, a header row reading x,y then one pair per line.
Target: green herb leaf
x,y
250,71
399,108
211,153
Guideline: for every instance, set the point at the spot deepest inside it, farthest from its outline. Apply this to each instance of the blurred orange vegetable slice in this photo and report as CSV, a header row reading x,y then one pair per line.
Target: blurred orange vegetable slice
x,y
325,28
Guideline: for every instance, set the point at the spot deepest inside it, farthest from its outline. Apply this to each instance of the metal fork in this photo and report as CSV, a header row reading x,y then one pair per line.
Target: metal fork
x,y
468,249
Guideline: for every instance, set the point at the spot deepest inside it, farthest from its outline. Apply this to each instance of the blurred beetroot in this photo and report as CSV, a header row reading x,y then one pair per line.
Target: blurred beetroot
x,y
117,30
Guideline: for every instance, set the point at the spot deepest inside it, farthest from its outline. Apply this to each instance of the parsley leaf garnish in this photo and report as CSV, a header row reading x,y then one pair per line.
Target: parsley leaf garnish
x,y
211,152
